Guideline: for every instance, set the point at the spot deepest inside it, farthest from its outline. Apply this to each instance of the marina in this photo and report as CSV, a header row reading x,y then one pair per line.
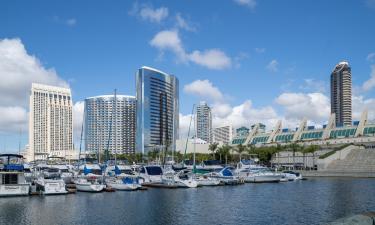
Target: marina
x,y
314,201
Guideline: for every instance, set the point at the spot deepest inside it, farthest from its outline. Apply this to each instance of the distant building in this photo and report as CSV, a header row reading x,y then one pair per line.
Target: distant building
x,y
223,134
261,127
110,120
242,131
341,93
51,122
157,110
204,122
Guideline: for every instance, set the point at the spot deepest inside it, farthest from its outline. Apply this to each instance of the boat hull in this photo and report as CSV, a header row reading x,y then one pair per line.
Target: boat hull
x,y
52,188
90,187
263,179
14,190
124,187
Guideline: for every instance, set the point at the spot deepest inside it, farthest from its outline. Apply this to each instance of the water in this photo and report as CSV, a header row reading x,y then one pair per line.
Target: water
x,y
315,201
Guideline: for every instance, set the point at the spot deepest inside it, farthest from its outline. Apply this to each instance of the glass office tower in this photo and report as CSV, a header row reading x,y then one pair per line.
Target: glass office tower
x,y
157,110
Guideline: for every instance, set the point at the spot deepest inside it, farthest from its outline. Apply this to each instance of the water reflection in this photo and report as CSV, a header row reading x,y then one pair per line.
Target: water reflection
x,y
315,201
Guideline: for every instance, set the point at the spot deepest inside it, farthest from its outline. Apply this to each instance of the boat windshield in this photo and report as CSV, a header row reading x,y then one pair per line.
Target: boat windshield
x,y
10,160
247,162
154,170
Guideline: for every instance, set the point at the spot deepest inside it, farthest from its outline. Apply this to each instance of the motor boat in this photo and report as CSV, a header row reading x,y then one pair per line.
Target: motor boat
x,y
292,176
48,180
182,179
253,173
65,171
89,178
153,176
204,180
226,176
12,176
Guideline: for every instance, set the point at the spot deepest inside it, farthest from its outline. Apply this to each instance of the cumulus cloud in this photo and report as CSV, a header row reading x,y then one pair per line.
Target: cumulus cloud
x,y
273,66
183,23
248,3
371,57
370,83
212,59
147,13
169,40
204,89
18,70
313,106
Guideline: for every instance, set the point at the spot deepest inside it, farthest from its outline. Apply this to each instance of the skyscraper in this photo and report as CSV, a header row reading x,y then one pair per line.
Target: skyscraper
x,y
110,120
204,122
50,123
341,93
157,110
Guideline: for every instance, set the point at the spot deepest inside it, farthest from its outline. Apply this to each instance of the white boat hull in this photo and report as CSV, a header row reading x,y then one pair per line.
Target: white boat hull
x,y
187,183
124,187
14,190
207,182
90,187
52,188
263,179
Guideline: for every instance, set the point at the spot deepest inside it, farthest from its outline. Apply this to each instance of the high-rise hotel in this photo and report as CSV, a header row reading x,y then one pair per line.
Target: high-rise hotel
x,y
50,122
203,122
157,110
341,93
110,124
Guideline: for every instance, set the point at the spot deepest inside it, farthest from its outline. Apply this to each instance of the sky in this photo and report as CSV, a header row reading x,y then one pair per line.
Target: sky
x,y
251,60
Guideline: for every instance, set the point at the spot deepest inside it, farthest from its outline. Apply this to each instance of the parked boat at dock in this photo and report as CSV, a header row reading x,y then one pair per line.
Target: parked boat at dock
x,y
90,178
48,180
12,176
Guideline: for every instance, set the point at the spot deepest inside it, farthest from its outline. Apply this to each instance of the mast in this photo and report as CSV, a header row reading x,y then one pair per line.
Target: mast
x,y
187,138
80,142
115,112
195,138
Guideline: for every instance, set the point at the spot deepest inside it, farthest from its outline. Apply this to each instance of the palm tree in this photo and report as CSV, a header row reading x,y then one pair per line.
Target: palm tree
x,y
226,151
294,147
240,149
212,147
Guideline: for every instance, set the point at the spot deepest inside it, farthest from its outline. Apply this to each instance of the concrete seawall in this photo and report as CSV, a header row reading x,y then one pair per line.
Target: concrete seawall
x,y
337,174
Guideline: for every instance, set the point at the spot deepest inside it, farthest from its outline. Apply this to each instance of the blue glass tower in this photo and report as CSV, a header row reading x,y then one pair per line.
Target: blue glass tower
x,y
157,110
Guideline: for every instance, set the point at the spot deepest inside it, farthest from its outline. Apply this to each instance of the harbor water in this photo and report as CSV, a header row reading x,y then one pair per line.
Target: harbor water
x,y
314,201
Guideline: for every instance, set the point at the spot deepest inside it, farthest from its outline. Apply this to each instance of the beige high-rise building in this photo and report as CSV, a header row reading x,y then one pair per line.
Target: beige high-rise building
x,y
51,122
341,93
223,134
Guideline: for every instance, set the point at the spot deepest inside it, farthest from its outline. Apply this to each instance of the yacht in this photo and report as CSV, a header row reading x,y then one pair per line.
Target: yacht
x,y
252,173
90,178
205,180
292,176
153,176
226,176
182,179
48,180
64,170
12,176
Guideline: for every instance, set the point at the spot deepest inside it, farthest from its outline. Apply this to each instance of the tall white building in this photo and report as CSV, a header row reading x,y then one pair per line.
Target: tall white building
x,y
204,122
223,134
51,122
110,124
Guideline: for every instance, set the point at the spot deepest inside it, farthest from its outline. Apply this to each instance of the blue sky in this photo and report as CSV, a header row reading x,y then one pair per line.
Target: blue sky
x,y
252,60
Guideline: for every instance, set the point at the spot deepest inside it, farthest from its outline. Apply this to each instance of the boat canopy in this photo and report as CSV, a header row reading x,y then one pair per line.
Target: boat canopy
x,y
211,162
154,170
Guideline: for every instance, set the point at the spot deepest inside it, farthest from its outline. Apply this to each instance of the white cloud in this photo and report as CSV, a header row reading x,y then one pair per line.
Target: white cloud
x,y
211,58
71,22
18,70
371,57
370,83
260,50
169,40
204,89
147,13
273,66
313,106
248,3
183,23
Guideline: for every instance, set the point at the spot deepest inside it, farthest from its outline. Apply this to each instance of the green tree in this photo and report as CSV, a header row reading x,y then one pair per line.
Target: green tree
x,y
240,149
212,147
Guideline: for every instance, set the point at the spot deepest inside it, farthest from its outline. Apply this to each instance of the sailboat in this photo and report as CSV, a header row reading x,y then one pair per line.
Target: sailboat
x,y
90,175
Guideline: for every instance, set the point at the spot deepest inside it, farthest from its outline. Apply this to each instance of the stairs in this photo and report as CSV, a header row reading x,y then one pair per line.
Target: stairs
x,y
358,161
